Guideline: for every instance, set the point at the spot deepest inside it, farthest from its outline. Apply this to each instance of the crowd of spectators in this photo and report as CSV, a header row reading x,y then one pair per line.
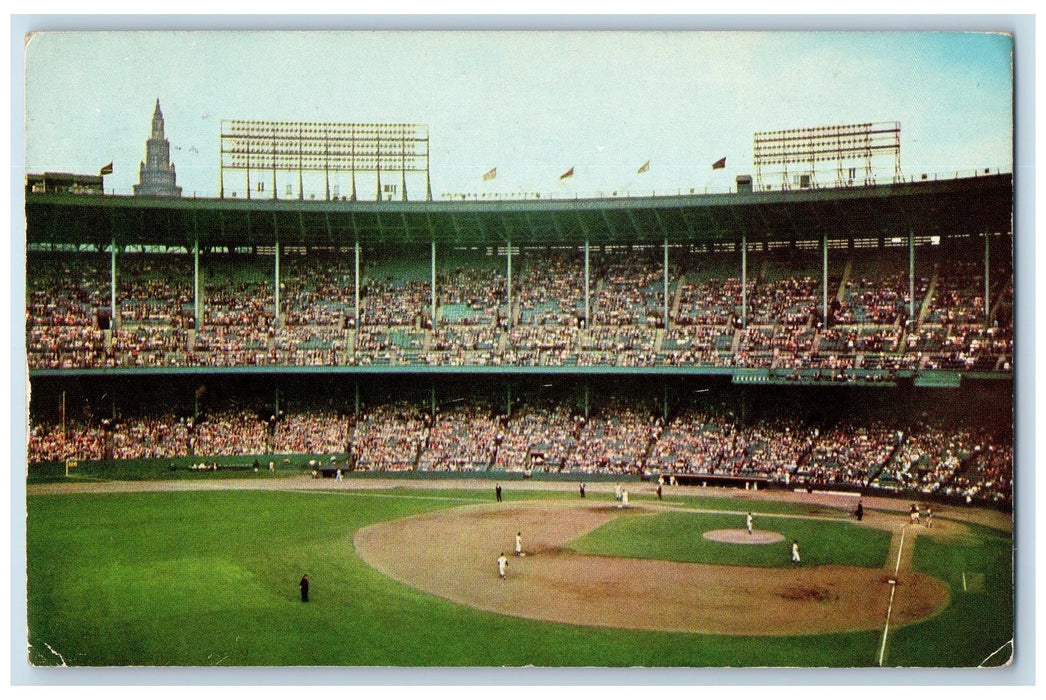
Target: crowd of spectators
x,y
552,290
390,437
472,296
463,437
783,326
950,458
631,292
63,298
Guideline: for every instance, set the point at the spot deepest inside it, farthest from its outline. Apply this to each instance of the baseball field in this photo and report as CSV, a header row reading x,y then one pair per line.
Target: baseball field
x,y
205,572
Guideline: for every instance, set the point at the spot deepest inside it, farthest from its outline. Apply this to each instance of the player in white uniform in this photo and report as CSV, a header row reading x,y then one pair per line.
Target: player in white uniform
x,y
748,523
519,544
502,565
795,551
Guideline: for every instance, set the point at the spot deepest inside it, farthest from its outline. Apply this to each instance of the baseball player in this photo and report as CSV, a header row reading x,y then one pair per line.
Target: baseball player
x,y
748,523
795,551
929,517
519,544
502,565
624,499
913,514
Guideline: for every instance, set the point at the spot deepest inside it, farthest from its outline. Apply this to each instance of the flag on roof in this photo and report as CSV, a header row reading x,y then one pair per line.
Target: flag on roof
x,y
644,167
721,163
569,173
490,174
107,169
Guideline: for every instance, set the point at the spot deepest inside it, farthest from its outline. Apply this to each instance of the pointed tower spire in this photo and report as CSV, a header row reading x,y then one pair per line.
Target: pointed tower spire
x,y
156,176
157,121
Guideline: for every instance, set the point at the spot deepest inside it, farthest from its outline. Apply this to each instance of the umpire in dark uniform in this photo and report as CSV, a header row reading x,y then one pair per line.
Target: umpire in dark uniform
x,y
304,586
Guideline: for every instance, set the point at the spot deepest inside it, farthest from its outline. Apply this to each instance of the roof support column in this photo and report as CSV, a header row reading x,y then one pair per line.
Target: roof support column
x,y
276,286
987,280
666,284
356,284
588,303
911,276
824,279
115,323
433,317
744,279
197,301
508,283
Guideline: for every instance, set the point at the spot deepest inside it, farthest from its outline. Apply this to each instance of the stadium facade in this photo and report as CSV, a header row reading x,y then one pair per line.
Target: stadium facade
x,y
630,311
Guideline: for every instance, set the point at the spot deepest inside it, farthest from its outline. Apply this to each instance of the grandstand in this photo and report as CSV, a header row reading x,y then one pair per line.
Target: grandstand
x,y
563,336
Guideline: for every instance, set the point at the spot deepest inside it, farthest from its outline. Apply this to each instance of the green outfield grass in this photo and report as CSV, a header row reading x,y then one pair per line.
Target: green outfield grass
x,y
210,578
677,536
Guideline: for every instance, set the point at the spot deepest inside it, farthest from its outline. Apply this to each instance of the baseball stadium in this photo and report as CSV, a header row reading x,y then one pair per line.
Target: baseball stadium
x,y
770,427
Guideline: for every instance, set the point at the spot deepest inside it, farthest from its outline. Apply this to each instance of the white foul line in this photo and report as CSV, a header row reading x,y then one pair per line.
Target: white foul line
x,y
904,531
893,589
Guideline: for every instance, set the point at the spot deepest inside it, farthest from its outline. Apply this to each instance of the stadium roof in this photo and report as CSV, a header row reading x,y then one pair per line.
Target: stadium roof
x,y
926,208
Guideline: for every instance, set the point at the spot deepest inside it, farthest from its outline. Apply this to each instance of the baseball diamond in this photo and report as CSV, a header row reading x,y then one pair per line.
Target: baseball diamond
x,y
560,585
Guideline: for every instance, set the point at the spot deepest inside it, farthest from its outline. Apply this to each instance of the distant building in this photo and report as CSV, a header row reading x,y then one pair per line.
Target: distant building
x,y
156,175
63,183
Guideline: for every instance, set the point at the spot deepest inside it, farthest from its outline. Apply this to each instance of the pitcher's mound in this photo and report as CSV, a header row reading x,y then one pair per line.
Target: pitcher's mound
x,y
741,536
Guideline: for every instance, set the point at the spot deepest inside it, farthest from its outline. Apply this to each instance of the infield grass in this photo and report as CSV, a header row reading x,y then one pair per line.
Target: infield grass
x,y
211,578
678,536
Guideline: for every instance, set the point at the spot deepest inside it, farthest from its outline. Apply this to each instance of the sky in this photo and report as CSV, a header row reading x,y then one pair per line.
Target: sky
x,y
531,104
